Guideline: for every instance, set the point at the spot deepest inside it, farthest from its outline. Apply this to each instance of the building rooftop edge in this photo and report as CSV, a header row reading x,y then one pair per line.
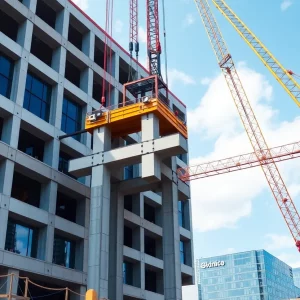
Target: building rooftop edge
x,y
114,41
238,252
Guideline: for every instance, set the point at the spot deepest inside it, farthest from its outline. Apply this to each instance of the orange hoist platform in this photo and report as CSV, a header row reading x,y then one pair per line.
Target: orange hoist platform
x,y
150,96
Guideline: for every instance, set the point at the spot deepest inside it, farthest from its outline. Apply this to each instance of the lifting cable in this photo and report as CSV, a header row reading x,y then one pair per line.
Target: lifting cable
x,y
165,41
108,34
110,54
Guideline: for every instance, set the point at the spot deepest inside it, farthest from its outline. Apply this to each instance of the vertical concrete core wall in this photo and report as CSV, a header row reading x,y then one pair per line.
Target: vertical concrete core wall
x,y
110,209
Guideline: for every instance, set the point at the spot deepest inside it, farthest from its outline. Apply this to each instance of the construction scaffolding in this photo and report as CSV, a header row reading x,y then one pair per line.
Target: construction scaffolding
x,y
13,280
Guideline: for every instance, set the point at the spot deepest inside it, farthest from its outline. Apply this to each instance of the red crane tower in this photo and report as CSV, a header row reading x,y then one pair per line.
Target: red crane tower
x,y
250,123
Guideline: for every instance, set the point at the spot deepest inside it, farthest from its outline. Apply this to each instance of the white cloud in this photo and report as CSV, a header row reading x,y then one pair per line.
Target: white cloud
x,y
142,35
277,241
190,292
285,4
177,76
119,26
292,259
228,251
189,20
222,201
205,81
83,4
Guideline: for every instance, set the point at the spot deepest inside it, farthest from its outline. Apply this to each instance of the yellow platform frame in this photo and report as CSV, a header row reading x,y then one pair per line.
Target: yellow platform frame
x,y
127,118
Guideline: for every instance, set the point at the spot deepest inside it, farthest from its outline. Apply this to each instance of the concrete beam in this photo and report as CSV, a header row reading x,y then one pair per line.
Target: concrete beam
x,y
134,186
171,145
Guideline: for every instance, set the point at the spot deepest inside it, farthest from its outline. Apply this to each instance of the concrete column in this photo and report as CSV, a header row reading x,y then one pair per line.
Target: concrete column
x,y
32,5
88,44
114,96
85,255
49,242
19,81
6,176
15,282
11,130
86,81
99,219
86,137
116,242
57,104
51,153
171,238
59,60
150,127
143,266
150,162
48,197
116,66
24,36
3,221
62,23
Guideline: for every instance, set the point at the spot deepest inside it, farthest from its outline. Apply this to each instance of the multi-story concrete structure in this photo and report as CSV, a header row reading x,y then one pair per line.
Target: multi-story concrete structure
x,y
51,70
251,275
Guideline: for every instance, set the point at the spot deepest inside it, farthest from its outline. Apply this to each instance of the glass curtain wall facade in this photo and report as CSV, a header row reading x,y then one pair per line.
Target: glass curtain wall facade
x,y
252,275
296,274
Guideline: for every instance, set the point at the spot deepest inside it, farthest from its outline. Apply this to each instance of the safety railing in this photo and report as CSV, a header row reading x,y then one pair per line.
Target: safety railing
x,y
13,280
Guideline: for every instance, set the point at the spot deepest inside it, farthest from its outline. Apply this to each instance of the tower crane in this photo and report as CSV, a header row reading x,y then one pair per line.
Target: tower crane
x,y
282,75
133,35
134,28
239,162
255,135
153,41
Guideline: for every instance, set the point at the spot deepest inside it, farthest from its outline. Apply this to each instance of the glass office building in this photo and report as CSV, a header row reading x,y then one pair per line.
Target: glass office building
x,y
251,275
296,274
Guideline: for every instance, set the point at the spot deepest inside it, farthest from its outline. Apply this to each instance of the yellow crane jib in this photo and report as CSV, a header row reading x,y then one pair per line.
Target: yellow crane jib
x,y
282,75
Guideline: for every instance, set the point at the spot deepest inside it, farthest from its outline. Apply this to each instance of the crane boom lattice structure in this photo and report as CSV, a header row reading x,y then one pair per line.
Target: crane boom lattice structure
x,y
153,42
239,162
133,38
249,121
283,76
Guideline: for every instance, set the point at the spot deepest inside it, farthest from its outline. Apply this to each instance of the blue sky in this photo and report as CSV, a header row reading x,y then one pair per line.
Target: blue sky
x,y
232,212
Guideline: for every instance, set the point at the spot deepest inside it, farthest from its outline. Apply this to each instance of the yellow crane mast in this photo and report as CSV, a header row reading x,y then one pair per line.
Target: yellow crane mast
x,y
282,75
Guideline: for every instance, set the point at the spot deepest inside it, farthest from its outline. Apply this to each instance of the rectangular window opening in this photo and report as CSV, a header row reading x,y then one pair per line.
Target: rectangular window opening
x,y
37,97
124,70
128,273
21,239
71,117
75,37
26,189
72,73
149,213
31,145
150,281
6,75
41,50
66,207
64,252
128,236
8,26
150,246
46,13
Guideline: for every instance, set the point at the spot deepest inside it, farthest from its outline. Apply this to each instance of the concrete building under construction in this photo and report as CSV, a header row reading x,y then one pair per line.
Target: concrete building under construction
x,y
116,219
